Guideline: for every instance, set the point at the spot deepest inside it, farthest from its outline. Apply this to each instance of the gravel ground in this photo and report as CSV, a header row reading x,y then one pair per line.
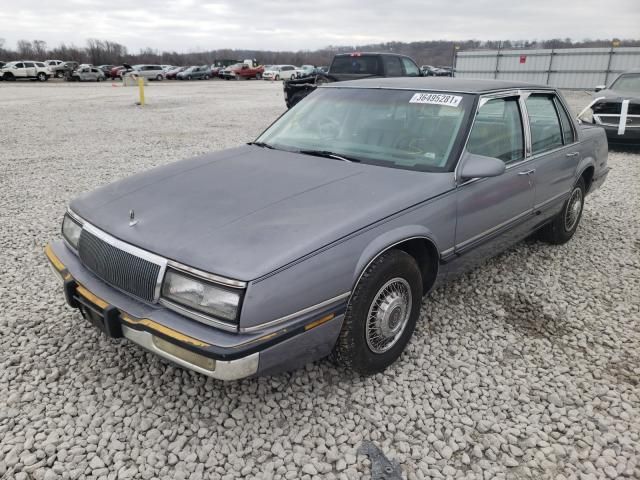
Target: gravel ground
x,y
527,367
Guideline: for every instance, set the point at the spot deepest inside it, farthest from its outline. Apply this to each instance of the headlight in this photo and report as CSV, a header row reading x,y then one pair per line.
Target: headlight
x,y
200,295
71,230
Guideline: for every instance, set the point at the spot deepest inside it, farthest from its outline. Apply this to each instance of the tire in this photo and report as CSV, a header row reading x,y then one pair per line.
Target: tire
x,y
42,77
277,77
9,77
395,280
564,224
206,77
159,78
258,76
59,74
189,77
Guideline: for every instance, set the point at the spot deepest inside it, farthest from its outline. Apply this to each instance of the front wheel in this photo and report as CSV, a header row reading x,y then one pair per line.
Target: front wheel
x,y
564,224
381,315
42,77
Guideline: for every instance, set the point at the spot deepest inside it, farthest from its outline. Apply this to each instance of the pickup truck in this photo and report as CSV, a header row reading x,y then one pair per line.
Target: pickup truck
x,y
351,66
242,71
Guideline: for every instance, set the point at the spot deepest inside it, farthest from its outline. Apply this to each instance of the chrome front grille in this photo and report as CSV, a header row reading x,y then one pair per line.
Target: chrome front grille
x,y
119,268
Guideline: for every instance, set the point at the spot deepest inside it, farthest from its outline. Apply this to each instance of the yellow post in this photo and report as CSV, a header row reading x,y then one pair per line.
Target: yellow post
x,y
141,90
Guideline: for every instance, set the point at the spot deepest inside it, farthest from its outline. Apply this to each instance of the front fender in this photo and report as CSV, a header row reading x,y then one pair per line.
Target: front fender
x,y
386,241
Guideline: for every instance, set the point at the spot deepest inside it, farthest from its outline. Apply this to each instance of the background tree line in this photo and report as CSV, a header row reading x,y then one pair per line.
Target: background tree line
x,y
436,52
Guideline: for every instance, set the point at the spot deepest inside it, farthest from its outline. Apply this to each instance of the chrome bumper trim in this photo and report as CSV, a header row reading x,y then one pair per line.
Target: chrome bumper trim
x,y
225,370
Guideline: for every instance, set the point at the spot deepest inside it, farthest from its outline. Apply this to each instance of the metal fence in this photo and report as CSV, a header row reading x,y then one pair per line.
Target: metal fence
x,y
577,68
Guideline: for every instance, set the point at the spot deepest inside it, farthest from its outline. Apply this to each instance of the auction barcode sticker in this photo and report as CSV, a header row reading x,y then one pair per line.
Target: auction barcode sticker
x,y
436,99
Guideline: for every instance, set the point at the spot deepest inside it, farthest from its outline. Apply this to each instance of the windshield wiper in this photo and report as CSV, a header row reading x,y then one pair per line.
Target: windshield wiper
x,y
328,154
262,145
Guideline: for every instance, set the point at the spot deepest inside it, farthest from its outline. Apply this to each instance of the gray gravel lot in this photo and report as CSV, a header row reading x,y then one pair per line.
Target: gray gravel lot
x,y
525,368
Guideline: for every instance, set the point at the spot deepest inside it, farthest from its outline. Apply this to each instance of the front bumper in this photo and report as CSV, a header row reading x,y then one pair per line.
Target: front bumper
x,y
204,349
630,135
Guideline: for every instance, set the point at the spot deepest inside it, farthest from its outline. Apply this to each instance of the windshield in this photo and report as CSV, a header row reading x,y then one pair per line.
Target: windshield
x,y
392,128
627,84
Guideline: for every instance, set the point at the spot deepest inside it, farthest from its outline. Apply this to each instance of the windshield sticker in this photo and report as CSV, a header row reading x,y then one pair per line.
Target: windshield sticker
x,y
436,99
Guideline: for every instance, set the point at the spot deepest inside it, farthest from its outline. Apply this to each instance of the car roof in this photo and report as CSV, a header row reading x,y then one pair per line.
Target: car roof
x,y
448,84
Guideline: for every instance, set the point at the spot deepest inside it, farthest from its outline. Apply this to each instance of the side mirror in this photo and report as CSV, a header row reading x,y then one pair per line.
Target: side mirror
x,y
600,87
479,166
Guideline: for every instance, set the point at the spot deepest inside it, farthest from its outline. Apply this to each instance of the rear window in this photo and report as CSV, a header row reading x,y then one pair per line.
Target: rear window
x,y
364,65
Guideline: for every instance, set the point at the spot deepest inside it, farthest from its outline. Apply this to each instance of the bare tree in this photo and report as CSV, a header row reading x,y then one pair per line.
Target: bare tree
x,y
25,49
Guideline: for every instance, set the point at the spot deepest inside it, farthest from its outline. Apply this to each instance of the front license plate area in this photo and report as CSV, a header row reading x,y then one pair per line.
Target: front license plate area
x,y
107,320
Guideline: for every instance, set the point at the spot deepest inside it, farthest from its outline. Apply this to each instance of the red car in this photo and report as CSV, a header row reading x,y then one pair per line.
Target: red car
x,y
115,72
172,74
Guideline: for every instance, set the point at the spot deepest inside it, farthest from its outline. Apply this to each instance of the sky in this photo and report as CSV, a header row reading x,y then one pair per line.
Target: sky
x,y
197,25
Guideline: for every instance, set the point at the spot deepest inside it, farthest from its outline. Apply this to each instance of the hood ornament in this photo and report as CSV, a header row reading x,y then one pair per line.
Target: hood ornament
x,y
132,218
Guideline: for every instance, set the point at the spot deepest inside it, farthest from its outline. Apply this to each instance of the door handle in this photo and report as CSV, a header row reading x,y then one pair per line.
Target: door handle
x,y
573,154
527,172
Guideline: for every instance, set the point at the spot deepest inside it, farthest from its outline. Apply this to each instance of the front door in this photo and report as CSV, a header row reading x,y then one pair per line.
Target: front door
x,y
494,212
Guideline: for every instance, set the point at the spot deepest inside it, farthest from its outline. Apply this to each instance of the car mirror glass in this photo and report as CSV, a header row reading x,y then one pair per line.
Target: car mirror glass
x,y
479,166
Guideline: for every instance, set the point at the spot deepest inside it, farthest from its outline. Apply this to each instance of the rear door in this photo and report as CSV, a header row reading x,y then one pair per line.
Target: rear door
x,y
29,69
494,212
392,66
554,150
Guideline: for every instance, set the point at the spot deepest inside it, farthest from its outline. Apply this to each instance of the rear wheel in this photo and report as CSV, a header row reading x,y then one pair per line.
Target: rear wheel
x,y
42,77
189,77
159,78
258,76
564,225
206,77
277,77
381,315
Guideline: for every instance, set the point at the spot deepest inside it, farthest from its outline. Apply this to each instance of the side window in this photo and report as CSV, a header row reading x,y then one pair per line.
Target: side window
x,y
546,133
567,132
392,66
28,65
18,65
497,131
410,68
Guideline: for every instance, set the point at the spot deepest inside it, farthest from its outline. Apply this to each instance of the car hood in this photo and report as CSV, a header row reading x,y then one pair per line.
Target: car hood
x,y
616,96
248,211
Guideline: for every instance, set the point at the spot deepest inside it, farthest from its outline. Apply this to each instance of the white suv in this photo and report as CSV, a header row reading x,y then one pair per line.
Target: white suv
x,y
25,69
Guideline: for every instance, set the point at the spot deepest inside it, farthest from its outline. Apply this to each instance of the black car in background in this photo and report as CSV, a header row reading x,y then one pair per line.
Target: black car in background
x,y
351,66
106,69
616,108
431,71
